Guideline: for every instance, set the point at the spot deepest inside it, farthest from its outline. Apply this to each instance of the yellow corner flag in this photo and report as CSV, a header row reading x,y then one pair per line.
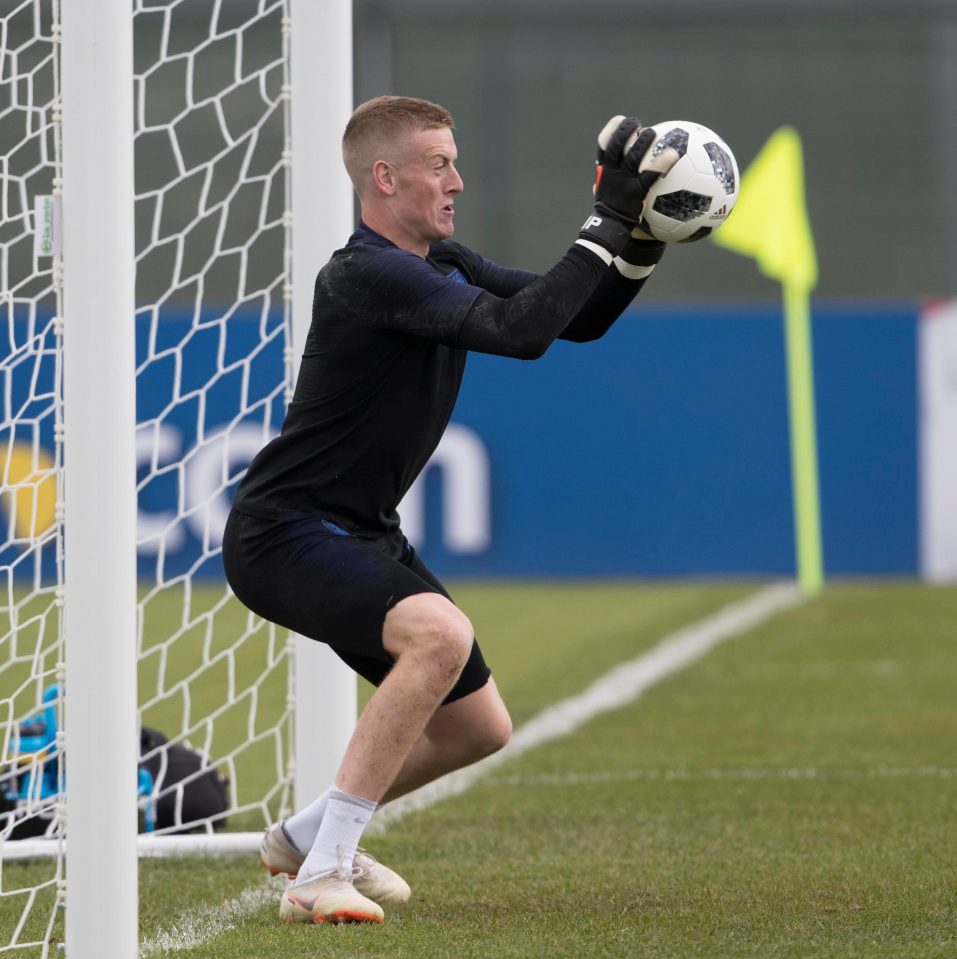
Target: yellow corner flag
x,y
769,223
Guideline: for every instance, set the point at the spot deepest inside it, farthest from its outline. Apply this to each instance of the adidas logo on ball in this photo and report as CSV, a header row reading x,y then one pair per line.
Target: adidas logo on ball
x,y
719,214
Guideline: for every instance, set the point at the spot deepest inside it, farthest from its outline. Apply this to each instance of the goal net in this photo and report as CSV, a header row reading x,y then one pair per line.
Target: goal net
x,y
31,652
214,360
211,250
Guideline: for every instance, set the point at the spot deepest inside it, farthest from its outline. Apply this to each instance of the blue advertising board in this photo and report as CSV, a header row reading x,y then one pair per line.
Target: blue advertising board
x,y
660,450
663,449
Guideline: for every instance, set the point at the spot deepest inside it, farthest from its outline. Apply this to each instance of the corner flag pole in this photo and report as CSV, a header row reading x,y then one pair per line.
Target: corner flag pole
x,y
770,224
804,466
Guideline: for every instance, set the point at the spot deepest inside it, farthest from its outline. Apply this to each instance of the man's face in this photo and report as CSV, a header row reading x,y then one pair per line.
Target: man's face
x,y
426,185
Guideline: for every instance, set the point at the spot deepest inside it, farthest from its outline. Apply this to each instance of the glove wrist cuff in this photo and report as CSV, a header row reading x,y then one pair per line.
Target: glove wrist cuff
x,y
642,252
606,231
631,271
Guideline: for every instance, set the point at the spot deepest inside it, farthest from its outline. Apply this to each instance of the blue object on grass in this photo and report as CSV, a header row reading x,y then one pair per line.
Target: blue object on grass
x,y
35,744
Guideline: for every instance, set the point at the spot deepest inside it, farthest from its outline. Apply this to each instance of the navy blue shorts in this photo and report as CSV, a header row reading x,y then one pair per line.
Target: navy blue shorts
x,y
309,575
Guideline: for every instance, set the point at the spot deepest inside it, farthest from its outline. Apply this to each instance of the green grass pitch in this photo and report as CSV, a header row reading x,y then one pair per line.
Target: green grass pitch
x,y
793,793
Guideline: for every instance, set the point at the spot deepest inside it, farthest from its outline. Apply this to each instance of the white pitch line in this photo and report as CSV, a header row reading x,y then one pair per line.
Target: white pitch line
x,y
617,688
203,924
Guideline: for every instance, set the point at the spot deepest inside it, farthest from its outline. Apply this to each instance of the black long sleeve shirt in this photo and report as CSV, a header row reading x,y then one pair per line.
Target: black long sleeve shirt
x,y
384,361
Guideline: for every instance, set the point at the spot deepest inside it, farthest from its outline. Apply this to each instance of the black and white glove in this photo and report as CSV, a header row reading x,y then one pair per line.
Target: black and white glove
x,y
626,168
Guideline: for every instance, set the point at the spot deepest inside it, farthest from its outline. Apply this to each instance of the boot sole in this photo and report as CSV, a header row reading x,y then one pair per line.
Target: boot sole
x,y
339,917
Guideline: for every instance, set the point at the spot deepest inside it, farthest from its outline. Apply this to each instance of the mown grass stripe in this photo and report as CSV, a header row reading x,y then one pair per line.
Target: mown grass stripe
x,y
617,688
729,774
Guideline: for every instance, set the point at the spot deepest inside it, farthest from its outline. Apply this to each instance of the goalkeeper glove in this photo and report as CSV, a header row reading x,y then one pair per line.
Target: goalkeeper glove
x,y
626,169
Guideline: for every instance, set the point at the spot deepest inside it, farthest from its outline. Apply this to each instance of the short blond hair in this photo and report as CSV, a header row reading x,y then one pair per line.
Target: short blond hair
x,y
377,127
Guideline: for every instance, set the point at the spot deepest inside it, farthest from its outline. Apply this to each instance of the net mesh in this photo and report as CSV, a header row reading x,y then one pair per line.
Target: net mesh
x,y
212,254
212,301
30,457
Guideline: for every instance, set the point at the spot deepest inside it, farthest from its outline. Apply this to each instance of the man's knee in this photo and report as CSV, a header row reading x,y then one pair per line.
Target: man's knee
x,y
430,628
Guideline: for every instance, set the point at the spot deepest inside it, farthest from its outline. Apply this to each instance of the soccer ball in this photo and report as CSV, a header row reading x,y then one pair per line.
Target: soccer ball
x,y
696,195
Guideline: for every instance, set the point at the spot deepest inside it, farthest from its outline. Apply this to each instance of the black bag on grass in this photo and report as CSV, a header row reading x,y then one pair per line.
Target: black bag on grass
x,y
203,796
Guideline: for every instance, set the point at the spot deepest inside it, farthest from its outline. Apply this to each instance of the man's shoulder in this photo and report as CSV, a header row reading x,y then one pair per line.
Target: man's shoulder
x,y
367,248
366,254
365,245
373,272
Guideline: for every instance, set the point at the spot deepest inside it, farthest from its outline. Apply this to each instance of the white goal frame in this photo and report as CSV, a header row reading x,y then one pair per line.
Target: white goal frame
x,y
99,430
100,585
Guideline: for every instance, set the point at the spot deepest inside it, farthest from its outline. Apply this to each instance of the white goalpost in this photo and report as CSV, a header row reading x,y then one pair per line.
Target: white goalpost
x,y
151,337
319,183
99,399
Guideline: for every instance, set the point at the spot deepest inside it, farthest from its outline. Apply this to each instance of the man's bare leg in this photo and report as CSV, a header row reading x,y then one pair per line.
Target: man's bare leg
x,y
403,739
457,735
430,640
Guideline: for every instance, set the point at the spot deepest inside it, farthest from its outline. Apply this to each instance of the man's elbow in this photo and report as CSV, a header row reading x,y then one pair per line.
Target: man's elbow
x,y
531,349
582,337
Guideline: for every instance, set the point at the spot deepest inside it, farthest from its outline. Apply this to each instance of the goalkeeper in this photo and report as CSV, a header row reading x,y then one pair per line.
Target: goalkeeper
x,y
313,541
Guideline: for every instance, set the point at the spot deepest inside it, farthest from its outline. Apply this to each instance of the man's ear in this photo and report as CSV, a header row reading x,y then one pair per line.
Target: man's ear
x,y
383,177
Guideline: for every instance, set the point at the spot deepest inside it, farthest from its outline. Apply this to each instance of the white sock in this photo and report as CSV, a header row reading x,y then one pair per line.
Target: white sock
x,y
339,833
301,829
